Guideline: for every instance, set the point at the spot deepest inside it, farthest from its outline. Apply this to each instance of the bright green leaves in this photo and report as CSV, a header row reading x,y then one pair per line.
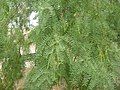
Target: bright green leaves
x,y
75,40
41,78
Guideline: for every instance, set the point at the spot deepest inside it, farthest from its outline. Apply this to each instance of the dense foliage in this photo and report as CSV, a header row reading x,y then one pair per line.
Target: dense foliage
x,y
77,44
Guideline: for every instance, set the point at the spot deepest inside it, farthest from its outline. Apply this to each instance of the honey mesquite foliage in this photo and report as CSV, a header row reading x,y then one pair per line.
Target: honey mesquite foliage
x,y
77,45
76,40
